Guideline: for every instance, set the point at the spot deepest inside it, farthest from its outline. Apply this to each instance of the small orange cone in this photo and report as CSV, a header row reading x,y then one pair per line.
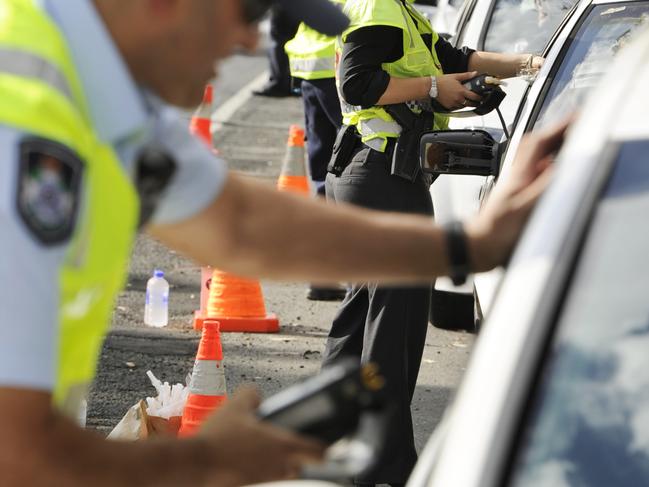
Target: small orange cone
x,y
206,280
238,305
207,389
201,123
294,176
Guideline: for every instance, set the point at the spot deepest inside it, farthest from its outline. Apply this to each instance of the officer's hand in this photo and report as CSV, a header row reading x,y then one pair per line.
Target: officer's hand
x,y
537,62
494,232
246,450
452,94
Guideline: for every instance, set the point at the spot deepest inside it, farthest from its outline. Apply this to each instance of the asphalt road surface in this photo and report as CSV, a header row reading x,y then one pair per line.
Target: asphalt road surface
x,y
252,140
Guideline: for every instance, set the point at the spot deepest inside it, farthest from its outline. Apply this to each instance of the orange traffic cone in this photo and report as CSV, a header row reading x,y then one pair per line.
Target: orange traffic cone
x,y
206,280
201,123
293,176
238,305
207,388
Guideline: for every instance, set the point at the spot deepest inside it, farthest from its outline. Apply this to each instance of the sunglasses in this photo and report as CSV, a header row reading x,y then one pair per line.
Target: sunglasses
x,y
254,10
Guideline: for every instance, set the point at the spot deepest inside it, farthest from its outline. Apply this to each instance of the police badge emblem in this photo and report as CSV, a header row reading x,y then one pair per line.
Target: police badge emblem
x,y
49,186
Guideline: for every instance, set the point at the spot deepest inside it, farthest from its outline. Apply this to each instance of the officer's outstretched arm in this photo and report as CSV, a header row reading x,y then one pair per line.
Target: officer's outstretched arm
x,y
41,447
252,229
503,65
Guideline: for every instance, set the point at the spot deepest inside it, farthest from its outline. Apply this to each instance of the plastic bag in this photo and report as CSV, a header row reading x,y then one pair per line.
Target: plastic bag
x,y
155,416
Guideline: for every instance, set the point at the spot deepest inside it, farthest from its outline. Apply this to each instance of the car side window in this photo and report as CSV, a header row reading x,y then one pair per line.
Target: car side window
x,y
524,25
605,30
588,420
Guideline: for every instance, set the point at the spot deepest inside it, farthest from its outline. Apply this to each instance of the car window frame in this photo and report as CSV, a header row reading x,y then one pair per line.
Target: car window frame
x,y
463,21
604,166
486,24
549,80
555,35
547,84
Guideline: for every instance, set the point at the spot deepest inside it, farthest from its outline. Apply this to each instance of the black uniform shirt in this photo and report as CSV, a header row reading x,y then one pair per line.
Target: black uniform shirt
x,y
363,80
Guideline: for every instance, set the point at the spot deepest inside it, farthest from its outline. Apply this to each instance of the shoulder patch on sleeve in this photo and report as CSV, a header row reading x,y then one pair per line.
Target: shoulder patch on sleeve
x,y
48,189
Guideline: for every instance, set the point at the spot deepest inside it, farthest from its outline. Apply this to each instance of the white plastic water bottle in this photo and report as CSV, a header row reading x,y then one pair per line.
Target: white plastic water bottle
x,y
156,309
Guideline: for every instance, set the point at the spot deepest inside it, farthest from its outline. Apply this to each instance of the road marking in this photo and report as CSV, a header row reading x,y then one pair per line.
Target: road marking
x,y
226,111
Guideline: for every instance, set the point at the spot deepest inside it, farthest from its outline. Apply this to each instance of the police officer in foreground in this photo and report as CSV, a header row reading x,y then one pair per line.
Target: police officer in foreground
x,y
92,150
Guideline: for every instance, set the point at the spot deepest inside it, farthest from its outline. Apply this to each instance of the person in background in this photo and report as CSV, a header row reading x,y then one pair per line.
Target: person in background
x,y
311,60
282,28
391,59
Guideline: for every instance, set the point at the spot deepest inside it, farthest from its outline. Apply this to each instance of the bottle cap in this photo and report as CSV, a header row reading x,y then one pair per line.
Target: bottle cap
x,y
158,273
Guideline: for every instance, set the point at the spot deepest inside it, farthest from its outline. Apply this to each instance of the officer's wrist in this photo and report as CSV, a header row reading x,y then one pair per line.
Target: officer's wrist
x,y
479,243
457,252
433,92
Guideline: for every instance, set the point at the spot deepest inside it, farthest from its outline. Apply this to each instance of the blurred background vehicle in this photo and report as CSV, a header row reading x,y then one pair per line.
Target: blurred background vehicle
x,y
499,26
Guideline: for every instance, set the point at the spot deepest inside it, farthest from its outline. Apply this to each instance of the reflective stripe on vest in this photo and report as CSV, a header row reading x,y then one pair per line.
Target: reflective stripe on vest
x,y
311,65
311,54
374,130
41,95
27,65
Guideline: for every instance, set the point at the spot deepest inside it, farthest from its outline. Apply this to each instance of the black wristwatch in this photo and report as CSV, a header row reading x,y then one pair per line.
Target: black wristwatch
x,y
458,252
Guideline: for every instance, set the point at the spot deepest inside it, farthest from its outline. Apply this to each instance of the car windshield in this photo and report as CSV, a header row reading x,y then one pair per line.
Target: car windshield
x,y
589,419
524,25
606,29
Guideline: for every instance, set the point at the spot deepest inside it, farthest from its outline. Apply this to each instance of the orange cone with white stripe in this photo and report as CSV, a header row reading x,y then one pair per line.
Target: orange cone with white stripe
x,y
294,175
207,389
238,305
201,123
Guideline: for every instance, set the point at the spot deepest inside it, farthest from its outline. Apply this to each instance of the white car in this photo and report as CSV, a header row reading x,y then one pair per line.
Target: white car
x,y
498,26
557,390
579,53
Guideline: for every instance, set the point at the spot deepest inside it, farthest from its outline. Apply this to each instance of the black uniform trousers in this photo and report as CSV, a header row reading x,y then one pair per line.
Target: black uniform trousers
x,y
323,120
385,325
282,30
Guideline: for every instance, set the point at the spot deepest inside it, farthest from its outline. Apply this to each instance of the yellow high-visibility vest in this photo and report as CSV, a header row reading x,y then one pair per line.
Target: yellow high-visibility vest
x,y
312,54
43,97
374,124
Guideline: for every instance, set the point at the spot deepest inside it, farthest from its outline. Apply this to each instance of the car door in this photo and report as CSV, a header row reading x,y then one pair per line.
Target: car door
x,y
563,392
566,341
492,25
578,60
588,417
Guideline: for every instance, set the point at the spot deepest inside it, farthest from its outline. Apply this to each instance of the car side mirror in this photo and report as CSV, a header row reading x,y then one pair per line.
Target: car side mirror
x,y
468,152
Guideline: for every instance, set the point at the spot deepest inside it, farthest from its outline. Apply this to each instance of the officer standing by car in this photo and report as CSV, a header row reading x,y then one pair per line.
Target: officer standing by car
x,y
92,150
312,59
394,82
